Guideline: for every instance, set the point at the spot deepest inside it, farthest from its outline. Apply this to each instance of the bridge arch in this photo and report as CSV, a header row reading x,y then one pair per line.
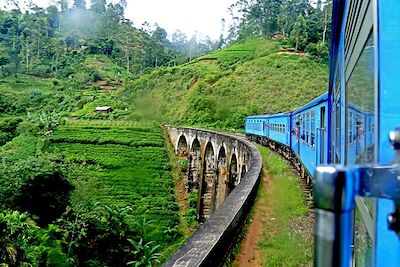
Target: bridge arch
x,y
181,147
207,183
194,163
233,174
221,177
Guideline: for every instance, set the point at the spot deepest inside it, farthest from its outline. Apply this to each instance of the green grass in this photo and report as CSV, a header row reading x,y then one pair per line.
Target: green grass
x,y
285,239
21,147
123,166
220,89
24,84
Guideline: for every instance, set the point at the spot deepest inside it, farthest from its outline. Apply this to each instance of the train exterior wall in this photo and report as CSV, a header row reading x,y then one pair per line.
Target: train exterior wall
x,y
309,136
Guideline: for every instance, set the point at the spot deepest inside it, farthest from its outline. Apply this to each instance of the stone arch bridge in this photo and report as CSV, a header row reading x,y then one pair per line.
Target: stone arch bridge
x,y
216,164
225,171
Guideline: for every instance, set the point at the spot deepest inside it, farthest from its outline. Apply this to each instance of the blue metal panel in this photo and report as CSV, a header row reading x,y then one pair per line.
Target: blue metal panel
x,y
314,102
387,243
279,127
307,149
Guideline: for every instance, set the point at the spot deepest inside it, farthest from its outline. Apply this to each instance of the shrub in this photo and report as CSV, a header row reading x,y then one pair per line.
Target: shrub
x,y
41,70
23,243
38,185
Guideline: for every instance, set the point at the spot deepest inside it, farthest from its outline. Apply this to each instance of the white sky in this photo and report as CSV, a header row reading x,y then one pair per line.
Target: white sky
x,y
189,16
203,16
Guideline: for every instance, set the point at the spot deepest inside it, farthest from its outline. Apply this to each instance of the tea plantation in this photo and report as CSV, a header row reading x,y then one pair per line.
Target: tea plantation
x,y
123,166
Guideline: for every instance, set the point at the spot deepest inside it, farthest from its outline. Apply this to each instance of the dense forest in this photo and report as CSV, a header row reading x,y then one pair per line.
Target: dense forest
x,y
76,186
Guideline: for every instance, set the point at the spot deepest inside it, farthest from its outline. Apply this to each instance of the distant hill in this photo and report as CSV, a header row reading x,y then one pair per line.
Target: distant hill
x,y
220,89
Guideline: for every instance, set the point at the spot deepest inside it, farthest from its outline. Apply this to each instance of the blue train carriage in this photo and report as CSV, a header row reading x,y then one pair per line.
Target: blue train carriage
x,y
309,136
255,125
271,130
359,196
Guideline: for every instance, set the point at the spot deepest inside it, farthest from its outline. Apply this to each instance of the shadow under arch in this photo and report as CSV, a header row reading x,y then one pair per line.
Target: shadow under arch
x,y
182,146
207,183
221,178
194,163
233,175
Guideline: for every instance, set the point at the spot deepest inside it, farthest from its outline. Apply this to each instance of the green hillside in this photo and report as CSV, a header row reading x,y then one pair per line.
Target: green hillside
x,y
220,89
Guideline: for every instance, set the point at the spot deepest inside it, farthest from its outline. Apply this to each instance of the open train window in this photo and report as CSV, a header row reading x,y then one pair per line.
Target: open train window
x,y
312,128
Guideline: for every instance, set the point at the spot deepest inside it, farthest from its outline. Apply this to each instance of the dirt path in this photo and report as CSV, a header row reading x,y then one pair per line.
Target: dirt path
x,y
281,232
249,255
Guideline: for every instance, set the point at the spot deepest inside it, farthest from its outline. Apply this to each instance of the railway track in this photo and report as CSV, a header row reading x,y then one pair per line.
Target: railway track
x,y
305,178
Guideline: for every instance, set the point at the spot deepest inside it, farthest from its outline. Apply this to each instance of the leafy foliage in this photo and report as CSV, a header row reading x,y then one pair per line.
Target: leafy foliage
x,y
38,185
295,20
23,243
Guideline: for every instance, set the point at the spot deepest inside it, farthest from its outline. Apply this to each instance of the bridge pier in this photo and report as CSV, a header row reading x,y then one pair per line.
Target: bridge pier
x,y
215,166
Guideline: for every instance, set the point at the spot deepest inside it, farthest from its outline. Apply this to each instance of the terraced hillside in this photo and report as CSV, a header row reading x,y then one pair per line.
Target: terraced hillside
x,y
218,90
125,164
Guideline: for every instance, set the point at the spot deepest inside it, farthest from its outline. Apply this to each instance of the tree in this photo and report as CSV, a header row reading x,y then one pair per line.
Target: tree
x,y
80,4
63,4
160,34
299,32
327,18
283,19
98,6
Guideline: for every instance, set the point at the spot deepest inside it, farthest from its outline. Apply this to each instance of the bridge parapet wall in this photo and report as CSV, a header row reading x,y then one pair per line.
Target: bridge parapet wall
x,y
225,169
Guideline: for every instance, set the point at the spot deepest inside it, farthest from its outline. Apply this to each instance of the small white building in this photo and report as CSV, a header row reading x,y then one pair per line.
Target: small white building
x,y
103,109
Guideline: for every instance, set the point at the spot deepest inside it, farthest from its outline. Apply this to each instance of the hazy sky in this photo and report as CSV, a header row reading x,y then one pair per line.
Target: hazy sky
x,y
203,16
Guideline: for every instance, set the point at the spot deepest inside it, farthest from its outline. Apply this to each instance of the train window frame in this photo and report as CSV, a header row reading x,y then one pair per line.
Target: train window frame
x,y
350,125
362,33
312,129
308,128
303,130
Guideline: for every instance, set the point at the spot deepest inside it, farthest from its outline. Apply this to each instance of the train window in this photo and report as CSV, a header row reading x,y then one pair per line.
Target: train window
x,y
361,83
350,125
336,116
308,127
303,129
312,128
